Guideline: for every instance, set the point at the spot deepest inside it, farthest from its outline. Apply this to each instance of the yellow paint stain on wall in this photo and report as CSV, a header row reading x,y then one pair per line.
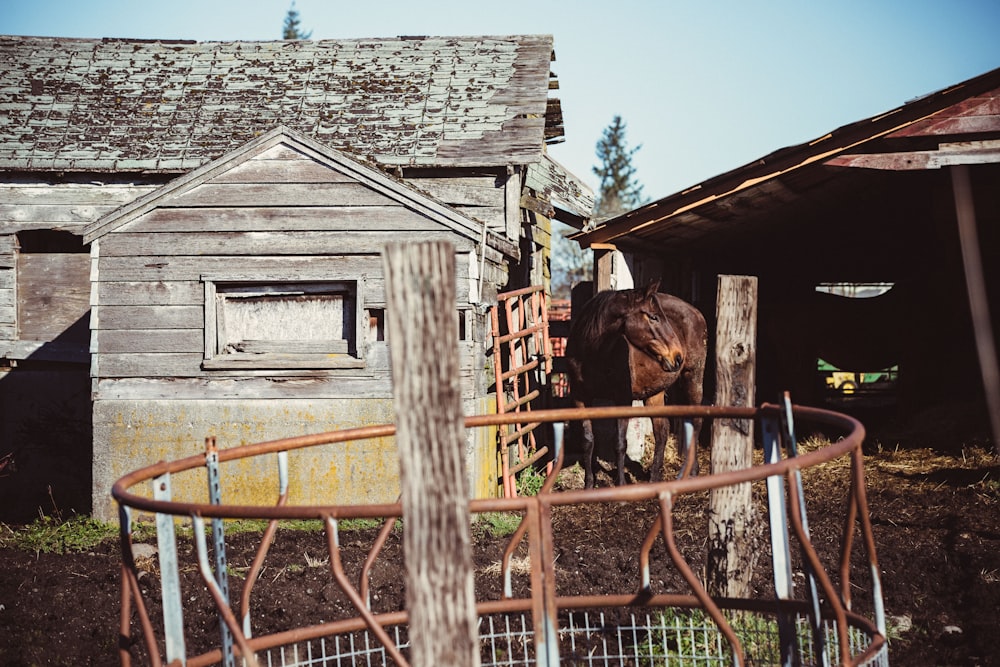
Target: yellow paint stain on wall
x,y
139,433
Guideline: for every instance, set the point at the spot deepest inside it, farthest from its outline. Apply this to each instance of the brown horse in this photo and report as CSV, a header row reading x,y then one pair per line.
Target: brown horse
x,y
630,345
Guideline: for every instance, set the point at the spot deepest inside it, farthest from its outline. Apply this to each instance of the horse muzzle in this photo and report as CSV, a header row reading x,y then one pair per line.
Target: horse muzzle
x,y
672,363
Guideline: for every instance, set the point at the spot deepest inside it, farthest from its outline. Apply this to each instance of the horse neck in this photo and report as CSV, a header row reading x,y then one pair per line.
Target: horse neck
x,y
608,326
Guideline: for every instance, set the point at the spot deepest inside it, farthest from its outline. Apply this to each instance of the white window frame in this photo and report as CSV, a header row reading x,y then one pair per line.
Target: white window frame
x,y
279,355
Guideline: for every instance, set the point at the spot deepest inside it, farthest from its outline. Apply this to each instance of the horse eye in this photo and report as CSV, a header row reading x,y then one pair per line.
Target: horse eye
x,y
653,318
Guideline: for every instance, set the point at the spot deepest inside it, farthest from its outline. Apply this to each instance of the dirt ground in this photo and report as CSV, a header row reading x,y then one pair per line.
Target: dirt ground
x,y
933,487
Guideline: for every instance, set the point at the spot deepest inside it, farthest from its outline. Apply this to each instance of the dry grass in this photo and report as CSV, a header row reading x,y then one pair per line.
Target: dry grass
x,y
518,567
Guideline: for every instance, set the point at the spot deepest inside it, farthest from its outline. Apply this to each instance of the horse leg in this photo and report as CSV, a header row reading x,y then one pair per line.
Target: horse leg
x,y
690,386
588,452
661,432
621,446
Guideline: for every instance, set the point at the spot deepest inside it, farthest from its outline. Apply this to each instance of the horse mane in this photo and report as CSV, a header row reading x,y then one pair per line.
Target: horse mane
x,y
599,320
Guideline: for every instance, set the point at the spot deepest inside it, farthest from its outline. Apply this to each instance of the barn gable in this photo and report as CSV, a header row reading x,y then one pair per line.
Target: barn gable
x,y
248,297
280,215
286,181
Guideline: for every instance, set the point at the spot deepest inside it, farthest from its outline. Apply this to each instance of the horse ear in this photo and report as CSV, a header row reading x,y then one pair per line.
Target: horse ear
x,y
652,288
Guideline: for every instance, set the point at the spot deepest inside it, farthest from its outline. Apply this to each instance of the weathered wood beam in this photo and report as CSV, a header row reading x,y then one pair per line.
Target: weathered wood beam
x,y
733,527
947,155
539,206
37,350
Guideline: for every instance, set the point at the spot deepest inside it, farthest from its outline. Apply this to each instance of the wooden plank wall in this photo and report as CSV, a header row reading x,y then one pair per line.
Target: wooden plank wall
x,y
62,206
280,214
479,197
27,203
53,295
8,287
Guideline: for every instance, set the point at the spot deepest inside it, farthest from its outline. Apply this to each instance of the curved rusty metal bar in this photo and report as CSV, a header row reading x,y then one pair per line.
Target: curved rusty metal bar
x,y
707,603
847,542
632,492
518,535
258,562
337,568
536,524
221,603
690,449
130,590
833,600
380,540
645,584
868,534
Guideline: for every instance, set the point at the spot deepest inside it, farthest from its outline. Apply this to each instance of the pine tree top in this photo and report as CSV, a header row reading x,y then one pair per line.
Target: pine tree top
x,y
619,191
291,28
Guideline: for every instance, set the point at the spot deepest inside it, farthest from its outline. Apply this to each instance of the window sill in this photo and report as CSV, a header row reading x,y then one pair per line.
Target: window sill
x,y
282,361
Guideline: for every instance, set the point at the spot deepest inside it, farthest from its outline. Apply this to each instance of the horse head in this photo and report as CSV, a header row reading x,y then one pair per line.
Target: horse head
x,y
649,330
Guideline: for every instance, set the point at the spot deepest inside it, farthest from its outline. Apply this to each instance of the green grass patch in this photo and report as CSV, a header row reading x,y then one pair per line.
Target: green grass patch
x,y
51,535
689,638
498,524
530,481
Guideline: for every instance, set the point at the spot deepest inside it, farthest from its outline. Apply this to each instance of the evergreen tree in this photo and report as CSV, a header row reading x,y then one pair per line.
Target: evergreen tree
x,y
291,29
618,192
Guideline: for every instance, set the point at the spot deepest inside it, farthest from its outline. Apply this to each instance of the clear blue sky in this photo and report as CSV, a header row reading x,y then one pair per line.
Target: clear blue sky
x,y
704,87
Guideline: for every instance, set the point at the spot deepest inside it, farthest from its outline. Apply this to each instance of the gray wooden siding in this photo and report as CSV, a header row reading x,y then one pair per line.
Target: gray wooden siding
x,y
162,318
148,293
8,288
53,293
479,197
155,327
66,206
245,244
279,216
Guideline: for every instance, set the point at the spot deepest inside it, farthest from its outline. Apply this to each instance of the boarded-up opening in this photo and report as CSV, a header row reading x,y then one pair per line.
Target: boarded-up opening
x,y
283,325
53,287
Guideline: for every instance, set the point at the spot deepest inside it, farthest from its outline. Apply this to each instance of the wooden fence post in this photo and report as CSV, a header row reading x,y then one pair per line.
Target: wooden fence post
x,y
732,528
430,435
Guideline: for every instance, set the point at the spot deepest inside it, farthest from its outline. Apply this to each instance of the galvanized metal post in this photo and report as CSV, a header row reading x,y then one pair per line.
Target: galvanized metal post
x,y
815,617
780,551
170,581
219,545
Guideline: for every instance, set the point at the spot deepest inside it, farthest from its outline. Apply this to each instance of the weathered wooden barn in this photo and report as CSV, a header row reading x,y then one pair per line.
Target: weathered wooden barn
x,y
189,237
888,200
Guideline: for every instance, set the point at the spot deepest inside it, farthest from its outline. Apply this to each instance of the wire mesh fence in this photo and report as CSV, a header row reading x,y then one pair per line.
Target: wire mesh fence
x,y
592,638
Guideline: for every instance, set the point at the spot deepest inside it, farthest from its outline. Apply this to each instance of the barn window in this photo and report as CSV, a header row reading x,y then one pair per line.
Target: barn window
x,y
268,325
860,368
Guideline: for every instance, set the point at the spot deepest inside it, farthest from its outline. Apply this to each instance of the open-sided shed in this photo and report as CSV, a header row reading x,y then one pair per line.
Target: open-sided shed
x,y
887,199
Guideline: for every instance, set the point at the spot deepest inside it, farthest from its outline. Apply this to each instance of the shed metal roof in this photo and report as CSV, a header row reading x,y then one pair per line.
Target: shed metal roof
x,y
960,124
170,106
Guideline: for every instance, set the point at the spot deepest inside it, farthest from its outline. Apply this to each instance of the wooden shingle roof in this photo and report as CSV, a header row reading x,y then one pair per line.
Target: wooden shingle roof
x,y
160,106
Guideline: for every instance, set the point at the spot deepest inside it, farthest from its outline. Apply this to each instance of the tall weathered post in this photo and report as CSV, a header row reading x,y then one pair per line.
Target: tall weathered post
x,y
732,528
430,435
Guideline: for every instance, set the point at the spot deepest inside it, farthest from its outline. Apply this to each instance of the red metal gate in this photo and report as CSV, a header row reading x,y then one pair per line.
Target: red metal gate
x,y
522,362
